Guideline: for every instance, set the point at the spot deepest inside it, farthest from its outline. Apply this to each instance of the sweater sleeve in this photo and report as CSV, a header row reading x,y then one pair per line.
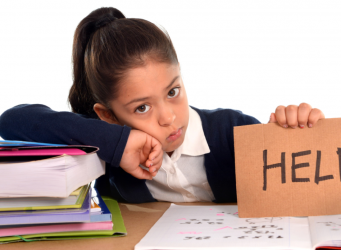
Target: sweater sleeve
x,y
238,118
246,120
39,123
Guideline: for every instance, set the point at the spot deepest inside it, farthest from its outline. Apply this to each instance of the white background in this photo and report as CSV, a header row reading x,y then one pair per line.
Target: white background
x,y
245,55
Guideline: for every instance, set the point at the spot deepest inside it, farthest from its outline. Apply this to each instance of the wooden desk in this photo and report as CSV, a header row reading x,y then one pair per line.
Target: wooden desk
x,y
138,219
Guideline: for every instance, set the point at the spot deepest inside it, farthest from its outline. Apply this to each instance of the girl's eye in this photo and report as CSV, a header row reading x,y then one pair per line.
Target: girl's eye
x,y
142,109
173,92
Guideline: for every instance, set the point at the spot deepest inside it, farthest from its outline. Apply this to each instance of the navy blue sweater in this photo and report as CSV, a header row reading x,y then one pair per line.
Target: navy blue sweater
x,y
41,124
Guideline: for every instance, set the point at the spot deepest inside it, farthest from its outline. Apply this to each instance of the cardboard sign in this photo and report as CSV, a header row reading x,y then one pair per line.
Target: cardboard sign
x,y
288,172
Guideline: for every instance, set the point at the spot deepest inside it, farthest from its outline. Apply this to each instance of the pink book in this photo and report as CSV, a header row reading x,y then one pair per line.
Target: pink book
x,y
42,152
105,225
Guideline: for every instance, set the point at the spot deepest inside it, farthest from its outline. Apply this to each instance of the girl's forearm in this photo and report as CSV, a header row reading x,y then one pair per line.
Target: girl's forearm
x,y
39,123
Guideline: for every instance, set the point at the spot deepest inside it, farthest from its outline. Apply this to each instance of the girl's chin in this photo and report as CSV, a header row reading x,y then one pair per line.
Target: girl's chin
x,y
171,148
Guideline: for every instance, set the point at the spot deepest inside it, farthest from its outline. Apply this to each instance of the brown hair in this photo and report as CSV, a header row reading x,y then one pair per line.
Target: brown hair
x,y
105,46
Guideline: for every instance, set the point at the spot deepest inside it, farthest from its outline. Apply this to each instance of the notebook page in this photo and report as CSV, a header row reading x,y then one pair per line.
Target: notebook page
x,y
219,227
325,230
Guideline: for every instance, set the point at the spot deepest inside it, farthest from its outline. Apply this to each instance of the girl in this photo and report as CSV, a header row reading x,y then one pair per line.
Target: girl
x,y
127,76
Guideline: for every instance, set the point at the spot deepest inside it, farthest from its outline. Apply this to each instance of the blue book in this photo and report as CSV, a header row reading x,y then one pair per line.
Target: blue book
x,y
7,143
48,216
105,214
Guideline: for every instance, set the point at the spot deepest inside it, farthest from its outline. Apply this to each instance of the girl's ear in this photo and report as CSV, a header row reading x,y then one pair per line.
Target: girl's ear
x,y
105,114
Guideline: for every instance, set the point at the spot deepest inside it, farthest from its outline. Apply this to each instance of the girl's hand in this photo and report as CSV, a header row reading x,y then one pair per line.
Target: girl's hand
x,y
294,116
142,149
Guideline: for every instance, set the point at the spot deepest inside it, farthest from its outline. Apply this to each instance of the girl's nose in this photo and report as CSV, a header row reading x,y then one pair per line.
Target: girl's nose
x,y
167,116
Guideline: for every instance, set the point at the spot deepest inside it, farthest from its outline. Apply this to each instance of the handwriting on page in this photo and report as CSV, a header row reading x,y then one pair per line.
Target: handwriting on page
x,y
214,225
223,228
325,228
207,227
333,226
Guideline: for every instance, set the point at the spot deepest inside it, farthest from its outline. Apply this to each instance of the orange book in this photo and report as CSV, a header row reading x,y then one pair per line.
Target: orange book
x,y
95,207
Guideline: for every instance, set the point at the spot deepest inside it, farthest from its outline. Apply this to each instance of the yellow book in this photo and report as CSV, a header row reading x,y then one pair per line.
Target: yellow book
x,y
77,191
43,203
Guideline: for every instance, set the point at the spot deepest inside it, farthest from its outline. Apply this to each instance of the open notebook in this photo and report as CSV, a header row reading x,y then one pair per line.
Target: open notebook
x,y
219,227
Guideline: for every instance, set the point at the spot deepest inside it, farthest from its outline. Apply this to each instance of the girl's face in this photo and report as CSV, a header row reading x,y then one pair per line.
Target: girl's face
x,y
153,99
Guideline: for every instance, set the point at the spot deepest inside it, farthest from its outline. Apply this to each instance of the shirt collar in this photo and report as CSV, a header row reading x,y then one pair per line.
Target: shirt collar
x,y
195,143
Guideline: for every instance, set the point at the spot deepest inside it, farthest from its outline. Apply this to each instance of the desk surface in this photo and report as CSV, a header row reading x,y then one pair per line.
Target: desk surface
x,y
138,219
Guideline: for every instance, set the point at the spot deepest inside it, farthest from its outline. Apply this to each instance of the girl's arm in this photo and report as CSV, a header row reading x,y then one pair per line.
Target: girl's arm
x,y
39,123
119,146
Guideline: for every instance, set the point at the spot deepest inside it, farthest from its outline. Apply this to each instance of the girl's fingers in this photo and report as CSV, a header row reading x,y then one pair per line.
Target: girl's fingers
x,y
314,116
147,147
303,114
272,118
158,162
155,170
156,145
153,167
281,116
141,173
155,163
155,155
291,115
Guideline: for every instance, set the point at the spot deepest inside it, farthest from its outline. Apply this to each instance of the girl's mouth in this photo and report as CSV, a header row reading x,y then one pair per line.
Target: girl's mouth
x,y
175,135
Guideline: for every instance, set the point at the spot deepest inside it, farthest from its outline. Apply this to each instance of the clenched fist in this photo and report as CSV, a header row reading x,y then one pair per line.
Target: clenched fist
x,y
142,149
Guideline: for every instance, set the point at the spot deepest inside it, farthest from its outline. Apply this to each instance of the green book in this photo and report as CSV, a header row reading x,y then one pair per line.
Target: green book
x,y
118,229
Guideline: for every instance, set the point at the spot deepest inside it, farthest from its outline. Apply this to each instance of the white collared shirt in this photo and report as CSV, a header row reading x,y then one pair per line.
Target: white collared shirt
x,y
182,177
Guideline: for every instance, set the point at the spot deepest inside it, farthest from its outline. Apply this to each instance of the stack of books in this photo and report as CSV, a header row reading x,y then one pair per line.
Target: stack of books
x,y
46,194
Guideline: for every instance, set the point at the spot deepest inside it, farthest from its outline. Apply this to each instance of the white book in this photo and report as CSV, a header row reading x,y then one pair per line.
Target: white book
x,y
49,177
219,227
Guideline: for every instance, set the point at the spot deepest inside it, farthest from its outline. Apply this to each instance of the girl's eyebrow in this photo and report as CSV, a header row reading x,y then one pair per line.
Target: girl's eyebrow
x,y
146,98
171,82
137,100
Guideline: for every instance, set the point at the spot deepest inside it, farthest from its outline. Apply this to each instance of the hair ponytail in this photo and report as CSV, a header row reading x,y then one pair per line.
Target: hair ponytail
x,y
105,46
80,96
